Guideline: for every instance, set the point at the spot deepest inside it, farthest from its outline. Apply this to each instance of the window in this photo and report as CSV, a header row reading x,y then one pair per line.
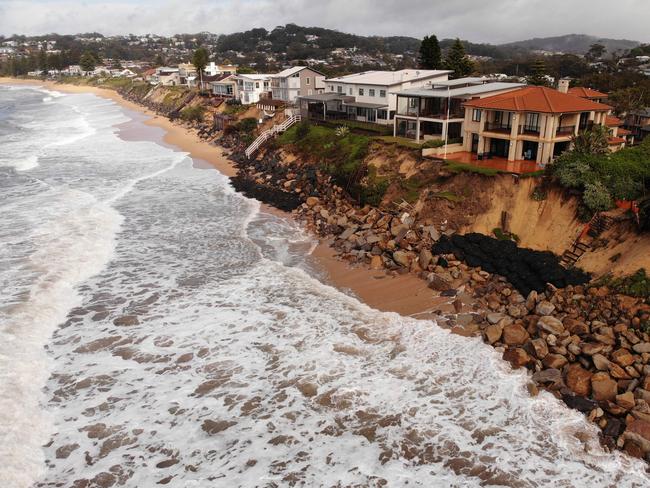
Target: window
x,y
307,80
382,93
382,114
331,88
371,92
257,84
339,89
350,90
360,92
476,115
531,122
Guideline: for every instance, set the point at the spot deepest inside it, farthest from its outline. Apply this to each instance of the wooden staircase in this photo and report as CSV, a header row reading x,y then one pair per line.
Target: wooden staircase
x,y
272,132
596,226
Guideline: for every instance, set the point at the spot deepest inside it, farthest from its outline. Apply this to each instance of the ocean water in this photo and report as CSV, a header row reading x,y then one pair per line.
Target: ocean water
x,y
157,328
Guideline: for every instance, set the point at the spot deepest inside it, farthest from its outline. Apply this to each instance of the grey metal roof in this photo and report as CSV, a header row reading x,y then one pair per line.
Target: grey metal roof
x,y
366,105
327,97
465,91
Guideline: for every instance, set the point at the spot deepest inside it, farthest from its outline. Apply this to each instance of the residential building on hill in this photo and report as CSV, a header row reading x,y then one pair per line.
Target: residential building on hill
x,y
534,123
588,93
226,87
638,123
368,96
297,81
252,87
436,111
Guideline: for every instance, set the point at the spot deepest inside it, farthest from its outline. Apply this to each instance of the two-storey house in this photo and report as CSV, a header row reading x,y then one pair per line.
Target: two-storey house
x,y
436,111
370,96
533,123
252,87
288,85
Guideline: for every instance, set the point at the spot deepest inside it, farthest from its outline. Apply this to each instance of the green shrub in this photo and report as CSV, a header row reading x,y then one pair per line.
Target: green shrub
x,y
432,143
373,193
597,197
636,285
193,114
247,125
301,131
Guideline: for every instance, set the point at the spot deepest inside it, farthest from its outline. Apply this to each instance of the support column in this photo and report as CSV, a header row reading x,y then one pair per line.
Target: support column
x,y
417,130
445,128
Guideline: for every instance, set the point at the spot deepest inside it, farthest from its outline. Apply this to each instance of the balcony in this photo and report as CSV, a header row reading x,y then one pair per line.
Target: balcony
x,y
565,131
497,127
529,130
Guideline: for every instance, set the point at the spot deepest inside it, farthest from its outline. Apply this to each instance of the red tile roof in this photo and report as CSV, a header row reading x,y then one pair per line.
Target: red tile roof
x,y
611,121
624,132
615,140
537,99
581,91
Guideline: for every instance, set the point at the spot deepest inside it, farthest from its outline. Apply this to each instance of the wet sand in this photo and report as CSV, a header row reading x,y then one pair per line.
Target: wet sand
x,y
402,294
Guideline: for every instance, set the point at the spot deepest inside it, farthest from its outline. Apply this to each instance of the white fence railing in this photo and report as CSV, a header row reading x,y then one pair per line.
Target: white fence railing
x,y
267,134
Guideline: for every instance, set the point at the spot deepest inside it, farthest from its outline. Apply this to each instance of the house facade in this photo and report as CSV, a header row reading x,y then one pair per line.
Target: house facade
x,y
252,87
638,123
531,124
370,96
288,85
436,111
226,87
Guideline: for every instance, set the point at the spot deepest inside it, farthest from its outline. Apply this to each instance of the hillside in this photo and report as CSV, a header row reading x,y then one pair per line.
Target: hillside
x,y
572,43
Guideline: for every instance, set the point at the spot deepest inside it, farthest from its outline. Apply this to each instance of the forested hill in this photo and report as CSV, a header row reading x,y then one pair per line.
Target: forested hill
x,y
572,43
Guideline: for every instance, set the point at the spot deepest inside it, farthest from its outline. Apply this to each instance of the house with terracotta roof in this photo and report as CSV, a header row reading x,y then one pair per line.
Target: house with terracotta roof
x,y
588,93
534,123
638,123
619,137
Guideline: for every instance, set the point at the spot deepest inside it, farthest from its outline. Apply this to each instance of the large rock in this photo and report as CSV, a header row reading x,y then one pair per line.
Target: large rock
x,y
403,258
578,380
626,400
514,335
376,262
622,357
531,300
556,361
544,308
425,258
553,376
590,348
601,362
603,387
493,332
639,431
517,357
438,282
641,347
575,327
312,201
550,324
539,347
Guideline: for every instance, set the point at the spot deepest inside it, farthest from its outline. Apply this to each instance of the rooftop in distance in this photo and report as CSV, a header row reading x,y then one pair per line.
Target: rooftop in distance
x,y
385,78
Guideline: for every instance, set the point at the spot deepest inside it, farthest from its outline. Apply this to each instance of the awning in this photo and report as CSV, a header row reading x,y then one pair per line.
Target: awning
x,y
328,97
365,105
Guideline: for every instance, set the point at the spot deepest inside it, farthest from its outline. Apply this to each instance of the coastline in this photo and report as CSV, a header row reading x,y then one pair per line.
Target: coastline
x,y
402,294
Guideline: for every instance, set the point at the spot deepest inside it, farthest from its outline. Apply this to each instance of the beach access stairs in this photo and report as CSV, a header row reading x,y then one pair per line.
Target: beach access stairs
x,y
272,132
598,224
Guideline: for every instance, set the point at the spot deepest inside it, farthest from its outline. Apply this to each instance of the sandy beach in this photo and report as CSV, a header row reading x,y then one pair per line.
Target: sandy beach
x,y
402,294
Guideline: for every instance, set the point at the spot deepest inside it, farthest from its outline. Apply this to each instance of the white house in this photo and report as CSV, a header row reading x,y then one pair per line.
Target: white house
x,y
297,81
213,69
226,87
252,87
374,91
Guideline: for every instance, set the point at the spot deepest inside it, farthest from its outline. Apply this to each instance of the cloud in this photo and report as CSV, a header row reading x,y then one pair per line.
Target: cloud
x,y
476,20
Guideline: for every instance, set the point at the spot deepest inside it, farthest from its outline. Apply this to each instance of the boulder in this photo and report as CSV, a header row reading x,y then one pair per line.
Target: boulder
x,y
578,380
626,400
515,335
517,357
493,332
493,318
556,361
425,258
603,387
376,262
622,357
531,300
551,325
438,282
551,375
403,258
544,308
641,347
576,327
312,201
639,431
126,321
590,348
539,347
600,362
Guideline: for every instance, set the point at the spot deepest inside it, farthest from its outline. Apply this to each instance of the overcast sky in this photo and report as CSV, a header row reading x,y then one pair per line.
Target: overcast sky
x,y
493,21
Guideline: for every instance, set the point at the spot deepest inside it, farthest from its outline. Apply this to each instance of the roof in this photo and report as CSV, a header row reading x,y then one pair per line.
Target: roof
x,y
468,80
615,140
255,76
327,97
387,78
538,99
623,132
611,121
464,91
292,71
581,91
366,105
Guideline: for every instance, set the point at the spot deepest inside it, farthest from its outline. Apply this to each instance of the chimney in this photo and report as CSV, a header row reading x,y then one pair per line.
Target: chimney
x,y
563,85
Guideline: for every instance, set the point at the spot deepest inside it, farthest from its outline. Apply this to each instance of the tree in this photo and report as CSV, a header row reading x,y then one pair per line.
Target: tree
x,y
159,61
87,62
627,99
458,61
595,52
200,60
538,74
592,141
430,56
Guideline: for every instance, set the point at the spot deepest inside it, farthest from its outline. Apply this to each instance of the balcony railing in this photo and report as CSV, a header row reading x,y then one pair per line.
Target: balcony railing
x,y
529,130
565,130
498,127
